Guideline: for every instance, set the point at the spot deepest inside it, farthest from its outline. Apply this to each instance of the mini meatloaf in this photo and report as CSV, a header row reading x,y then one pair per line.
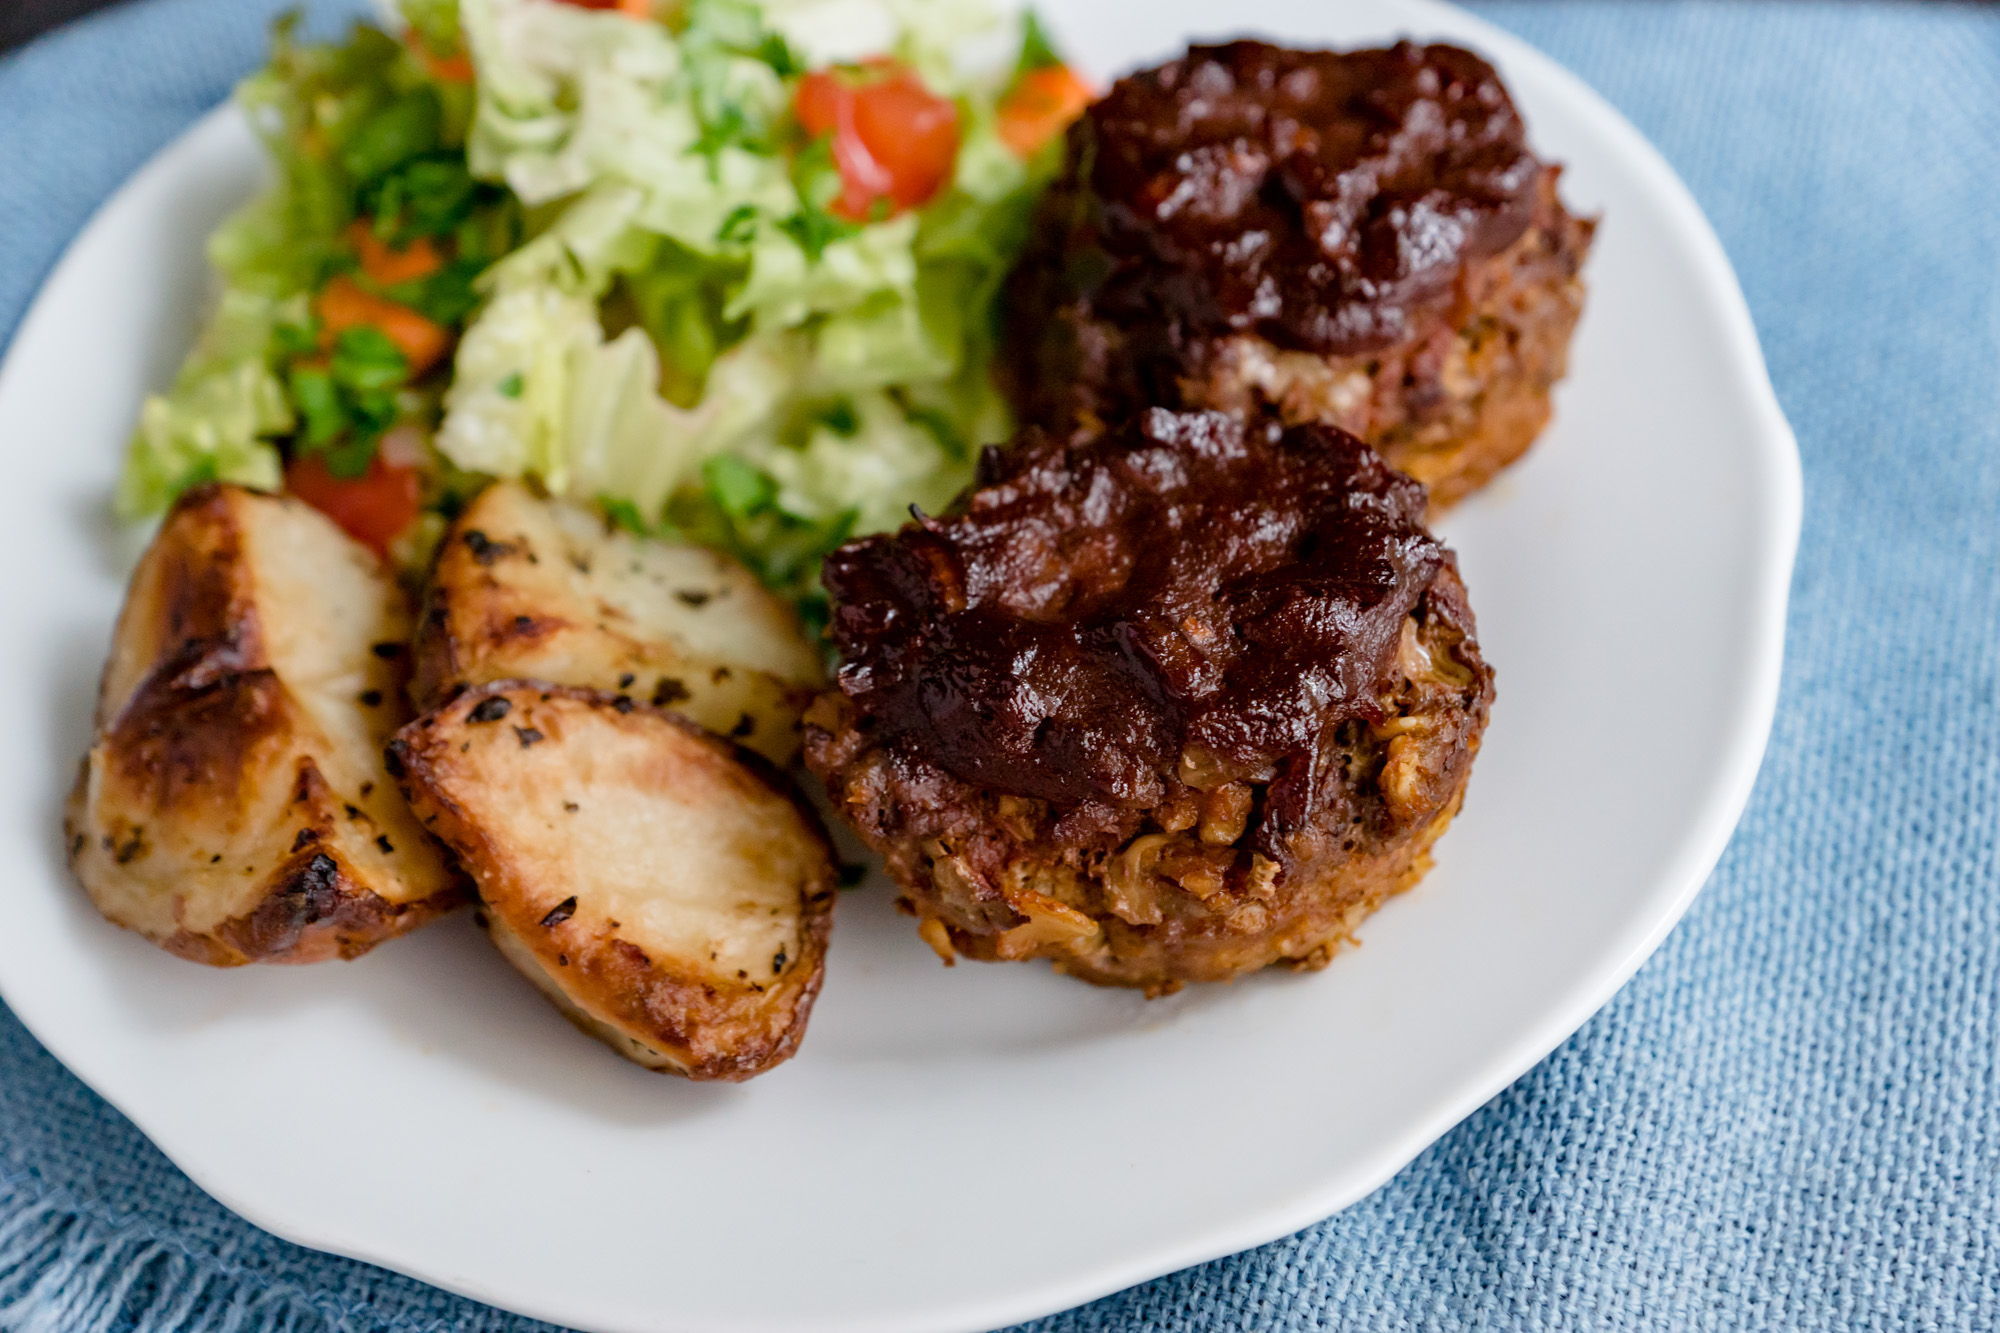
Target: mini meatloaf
x,y
1163,705
1362,239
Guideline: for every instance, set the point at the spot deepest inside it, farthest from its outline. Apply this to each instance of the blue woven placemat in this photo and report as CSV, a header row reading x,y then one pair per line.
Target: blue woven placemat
x,y
1791,1118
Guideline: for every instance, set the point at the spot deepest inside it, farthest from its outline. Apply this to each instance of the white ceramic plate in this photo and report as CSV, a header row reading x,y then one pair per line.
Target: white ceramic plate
x,y
953,1149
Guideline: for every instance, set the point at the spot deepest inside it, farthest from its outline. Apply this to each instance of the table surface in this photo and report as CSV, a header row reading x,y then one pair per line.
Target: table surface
x,y
22,19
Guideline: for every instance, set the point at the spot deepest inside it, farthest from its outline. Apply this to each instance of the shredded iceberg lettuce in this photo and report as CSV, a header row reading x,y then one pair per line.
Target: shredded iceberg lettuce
x,y
675,206
653,299
219,420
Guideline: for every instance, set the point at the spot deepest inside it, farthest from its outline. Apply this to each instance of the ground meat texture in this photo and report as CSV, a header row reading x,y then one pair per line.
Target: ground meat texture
x,y
1362,239
1164,704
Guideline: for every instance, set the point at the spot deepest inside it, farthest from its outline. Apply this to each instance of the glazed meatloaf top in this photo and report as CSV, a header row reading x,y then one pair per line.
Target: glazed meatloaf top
x,y
1096,615
1322,200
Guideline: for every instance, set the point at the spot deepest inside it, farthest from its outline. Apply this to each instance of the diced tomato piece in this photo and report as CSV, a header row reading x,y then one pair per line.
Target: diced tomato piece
x,y
893,139
911,132
1041,105
342,305
373,508
817,101
638,9
387,265
825,106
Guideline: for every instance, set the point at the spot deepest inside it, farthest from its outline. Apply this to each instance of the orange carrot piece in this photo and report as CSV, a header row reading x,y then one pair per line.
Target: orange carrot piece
x,y
1041,106
451,67
342,305
386,265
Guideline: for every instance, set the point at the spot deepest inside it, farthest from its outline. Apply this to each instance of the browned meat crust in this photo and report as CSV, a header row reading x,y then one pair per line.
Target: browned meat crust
x,y
1164,705
1360,239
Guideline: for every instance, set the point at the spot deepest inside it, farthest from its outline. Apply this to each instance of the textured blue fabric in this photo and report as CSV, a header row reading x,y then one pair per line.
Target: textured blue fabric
x,y
1791,1118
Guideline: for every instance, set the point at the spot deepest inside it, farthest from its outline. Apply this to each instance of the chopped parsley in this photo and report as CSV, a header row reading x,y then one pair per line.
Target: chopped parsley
x,y
1037,51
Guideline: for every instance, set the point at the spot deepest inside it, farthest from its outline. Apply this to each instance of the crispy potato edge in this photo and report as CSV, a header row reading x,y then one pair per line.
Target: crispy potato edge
x,y
627,990
190,723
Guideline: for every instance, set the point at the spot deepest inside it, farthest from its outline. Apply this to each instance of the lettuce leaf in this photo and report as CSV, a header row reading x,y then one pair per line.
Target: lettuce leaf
x,y
874,466
541,391
656,306
217,421
353,129
674,193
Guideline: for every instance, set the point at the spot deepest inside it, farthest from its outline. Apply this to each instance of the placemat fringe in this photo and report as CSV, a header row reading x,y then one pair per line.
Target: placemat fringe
x,y
62,1272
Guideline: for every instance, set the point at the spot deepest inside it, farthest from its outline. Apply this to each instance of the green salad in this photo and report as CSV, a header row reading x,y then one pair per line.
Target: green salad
x,y
727,269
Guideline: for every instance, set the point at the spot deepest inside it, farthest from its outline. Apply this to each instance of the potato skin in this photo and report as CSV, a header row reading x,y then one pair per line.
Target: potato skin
x,y
553,798
233,807
527,588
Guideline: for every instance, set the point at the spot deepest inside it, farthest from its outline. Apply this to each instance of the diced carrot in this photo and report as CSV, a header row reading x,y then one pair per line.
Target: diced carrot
x,y
451,67
387,265
1041,106
342,305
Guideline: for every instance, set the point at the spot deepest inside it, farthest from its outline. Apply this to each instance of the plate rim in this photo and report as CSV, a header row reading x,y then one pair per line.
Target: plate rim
x,y
1778,466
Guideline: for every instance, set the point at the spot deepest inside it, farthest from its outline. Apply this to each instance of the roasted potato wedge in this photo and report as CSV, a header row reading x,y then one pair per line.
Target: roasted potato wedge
x,y
233,807
667,890
526,588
